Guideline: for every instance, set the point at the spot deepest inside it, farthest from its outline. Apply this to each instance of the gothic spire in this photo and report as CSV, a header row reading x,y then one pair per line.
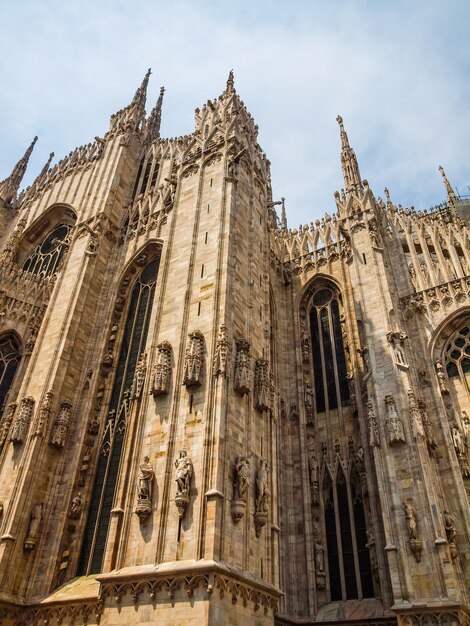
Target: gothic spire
x,y
349,165
451,197
133,115
45,169
283,214
140,96
155,118
9,187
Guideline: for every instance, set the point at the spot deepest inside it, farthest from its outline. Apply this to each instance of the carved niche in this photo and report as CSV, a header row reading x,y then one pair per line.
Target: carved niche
x,y
262,387
60,429
194,360
222,353
161,374
242,378
396,433
22,421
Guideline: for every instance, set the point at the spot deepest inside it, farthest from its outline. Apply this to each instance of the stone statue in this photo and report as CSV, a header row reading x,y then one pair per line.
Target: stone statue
x,y
262,490
441,377
144,480
410,515
76,507
35,520
459,442
139,376
450,528
396,432
319,556
184,472
242,478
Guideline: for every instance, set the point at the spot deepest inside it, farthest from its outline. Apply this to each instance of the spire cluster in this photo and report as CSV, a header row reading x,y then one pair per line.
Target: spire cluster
x,y
9,187
349,164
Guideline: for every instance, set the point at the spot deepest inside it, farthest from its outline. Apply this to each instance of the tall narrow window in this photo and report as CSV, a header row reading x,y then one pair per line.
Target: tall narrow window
x,y
45,259
329,364
9,360
133,344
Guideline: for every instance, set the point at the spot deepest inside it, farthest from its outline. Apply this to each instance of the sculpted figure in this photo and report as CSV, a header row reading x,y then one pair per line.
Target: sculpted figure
x,y
262,490
184,472
145,479
450,528
411,520
319,556
242,478
76,506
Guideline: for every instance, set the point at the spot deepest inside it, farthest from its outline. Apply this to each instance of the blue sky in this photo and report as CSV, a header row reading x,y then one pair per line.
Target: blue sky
x,y
396,71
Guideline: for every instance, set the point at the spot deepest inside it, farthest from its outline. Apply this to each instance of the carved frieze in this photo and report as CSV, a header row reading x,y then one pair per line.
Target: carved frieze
x,y
194,360
161,373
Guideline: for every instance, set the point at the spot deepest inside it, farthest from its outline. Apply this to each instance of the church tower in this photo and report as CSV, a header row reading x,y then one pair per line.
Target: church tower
x,y
209,418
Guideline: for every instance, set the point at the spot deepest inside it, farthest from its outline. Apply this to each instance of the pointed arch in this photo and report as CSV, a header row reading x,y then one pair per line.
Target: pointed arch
x,y
10,356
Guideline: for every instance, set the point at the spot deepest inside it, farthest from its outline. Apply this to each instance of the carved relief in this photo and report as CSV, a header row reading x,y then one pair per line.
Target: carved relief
x,y
184,472
145,479
262,386
76,507
41,419
222,353
60,429
6,422
139,377
242,378
161,374
263,497
241,486
22,421
412,524
373,428
396,434
35,522
194,360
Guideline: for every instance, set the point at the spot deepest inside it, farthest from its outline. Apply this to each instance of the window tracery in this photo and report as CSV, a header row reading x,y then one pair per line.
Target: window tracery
x,y
45,259
9,360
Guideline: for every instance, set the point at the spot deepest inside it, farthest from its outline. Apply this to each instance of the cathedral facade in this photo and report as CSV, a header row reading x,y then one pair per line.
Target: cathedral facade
x,y
209,418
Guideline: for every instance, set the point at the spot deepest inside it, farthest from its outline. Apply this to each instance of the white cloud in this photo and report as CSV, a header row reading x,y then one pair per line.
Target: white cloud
x,y
397,72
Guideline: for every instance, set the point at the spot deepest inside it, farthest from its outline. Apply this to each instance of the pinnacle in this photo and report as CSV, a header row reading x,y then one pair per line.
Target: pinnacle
x,y
230,82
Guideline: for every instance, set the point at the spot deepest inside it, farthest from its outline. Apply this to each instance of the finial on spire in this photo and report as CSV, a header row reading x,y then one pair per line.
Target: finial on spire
x,y
9,187
451,197
230,82
45,169
349,164
155,118
283,214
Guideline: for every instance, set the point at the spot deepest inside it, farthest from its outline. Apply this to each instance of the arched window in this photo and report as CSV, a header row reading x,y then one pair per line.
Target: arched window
x,y
45,259
457,359
349,566
329,364
9,360
133,344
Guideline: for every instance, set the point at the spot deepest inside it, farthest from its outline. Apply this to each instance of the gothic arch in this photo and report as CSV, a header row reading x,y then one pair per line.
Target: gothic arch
x,y
11,351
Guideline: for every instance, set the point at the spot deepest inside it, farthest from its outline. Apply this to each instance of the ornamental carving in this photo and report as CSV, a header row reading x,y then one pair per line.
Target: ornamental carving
x,y
139,377
161,374
428,427
263,497
373,428
184,472
441,377
416,545
145,479
22,421
222,353
76,507
60,429
415,414
262,387
194,360
6,422
41,419
396,433
241,486
243,377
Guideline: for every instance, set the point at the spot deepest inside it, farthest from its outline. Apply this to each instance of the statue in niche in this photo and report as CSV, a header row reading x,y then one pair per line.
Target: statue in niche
x,y
451,531
184,472
319,556
313,474
396,340
396,432
263,496
308,401
459,442
411,522
139,377
242,478
316,526
35,520
441,377
144,489
76,507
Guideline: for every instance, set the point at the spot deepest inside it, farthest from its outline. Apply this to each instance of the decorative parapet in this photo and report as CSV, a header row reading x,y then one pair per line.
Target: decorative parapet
x,y
443,298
